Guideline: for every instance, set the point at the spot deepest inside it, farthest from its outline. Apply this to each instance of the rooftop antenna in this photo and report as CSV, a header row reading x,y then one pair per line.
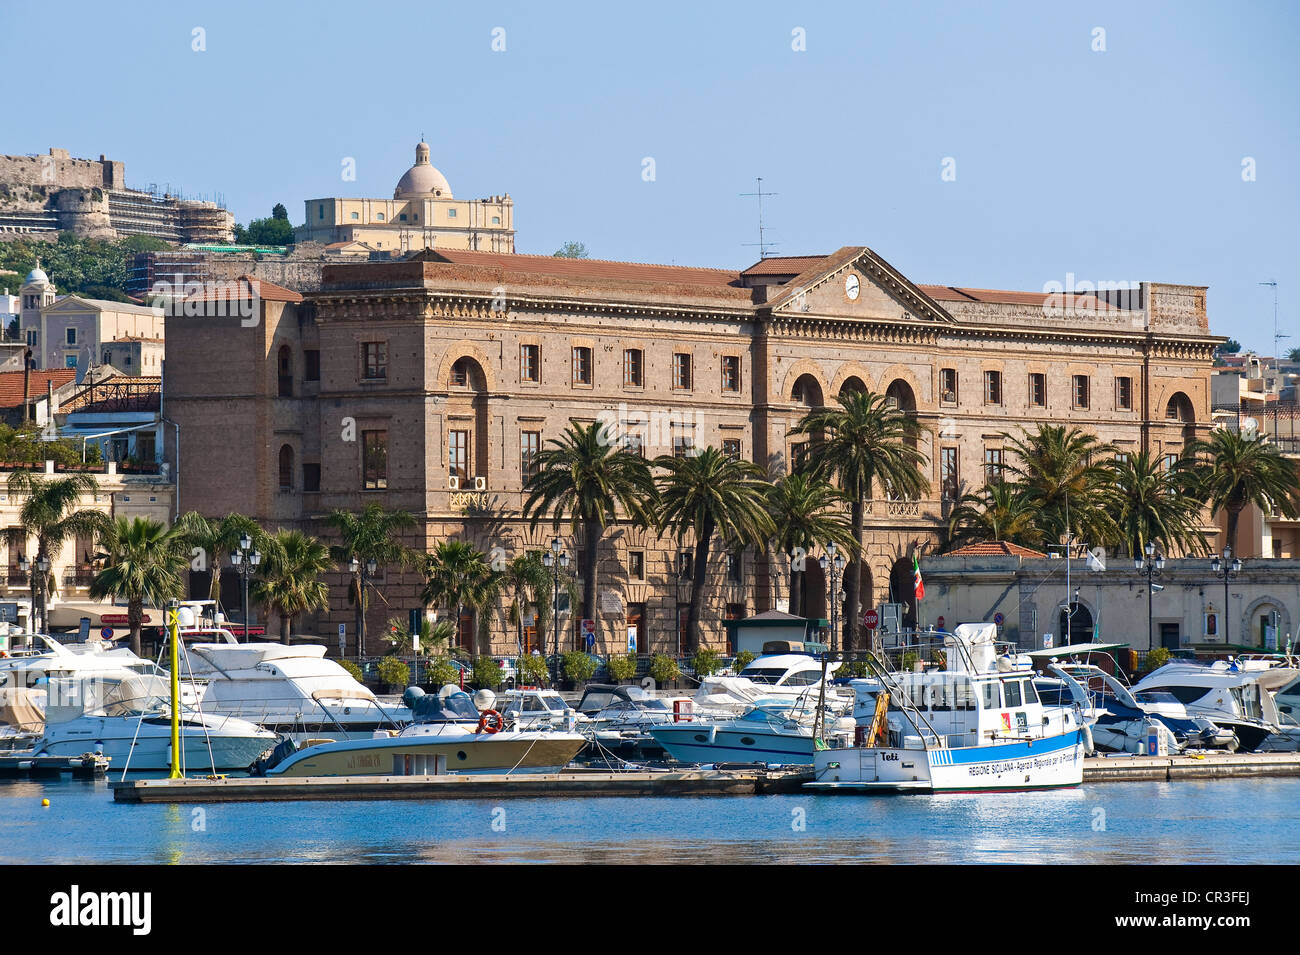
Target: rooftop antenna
x,y
1277,333
762,243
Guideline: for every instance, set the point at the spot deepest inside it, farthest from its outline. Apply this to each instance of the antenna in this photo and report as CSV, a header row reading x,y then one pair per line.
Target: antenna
x,y
1277,333
762,243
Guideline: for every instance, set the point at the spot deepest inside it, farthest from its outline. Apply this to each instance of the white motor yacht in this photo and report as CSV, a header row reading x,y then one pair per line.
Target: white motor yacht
x,y
775,731
1236,695
785,676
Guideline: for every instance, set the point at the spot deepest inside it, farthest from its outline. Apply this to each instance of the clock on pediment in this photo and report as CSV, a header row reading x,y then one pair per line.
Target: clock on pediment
x,y
852,287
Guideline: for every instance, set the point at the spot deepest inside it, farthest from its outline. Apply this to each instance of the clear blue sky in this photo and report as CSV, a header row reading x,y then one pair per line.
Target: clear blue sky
x,y
1116,165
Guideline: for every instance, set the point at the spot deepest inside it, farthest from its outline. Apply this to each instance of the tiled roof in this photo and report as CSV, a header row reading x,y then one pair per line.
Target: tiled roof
x,y
267,291
784,264
589,269
993,549
951,293
11,384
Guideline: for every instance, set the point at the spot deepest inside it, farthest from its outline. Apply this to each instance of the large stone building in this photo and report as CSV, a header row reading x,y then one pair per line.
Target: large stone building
x,y
422,214
42,195
68,331
430,385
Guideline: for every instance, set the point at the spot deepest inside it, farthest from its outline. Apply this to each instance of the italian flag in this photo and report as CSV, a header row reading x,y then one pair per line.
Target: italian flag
x,y
918,585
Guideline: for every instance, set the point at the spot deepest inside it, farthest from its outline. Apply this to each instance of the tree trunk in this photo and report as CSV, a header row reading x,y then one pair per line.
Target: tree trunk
x,y
699,575
853,586
796,592
361,615
1234,515
593,531
285,620
134,620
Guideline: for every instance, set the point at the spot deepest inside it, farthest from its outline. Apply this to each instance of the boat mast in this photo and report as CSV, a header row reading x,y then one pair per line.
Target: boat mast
x,y
173,634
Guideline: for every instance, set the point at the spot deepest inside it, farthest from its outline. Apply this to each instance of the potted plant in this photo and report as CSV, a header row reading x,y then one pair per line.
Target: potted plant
x,y
393,674
578,667
664,669
531,670
622,668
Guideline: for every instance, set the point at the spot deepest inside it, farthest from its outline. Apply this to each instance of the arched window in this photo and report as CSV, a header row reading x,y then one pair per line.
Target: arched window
x,y
286,468
285,363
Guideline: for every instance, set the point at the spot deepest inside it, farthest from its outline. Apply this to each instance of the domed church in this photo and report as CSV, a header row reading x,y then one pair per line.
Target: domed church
x,y
423,214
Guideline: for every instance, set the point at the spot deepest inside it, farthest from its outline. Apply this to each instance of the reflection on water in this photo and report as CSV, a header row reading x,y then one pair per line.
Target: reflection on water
x,y
1114,823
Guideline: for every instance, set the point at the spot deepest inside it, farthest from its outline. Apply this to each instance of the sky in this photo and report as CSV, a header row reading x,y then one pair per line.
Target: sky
x,y
1003,145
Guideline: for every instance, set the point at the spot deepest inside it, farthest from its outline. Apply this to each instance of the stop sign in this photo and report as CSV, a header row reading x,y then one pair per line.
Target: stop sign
x,y
871,620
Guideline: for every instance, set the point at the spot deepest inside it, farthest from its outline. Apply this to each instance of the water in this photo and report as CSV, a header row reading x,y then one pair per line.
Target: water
x,y
1218,822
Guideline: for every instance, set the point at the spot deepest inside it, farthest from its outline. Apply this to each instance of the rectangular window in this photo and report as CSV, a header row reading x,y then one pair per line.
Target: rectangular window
x,y
72,336
633,368
1012,690
530,443
1081,391
1171,461
948,473
636,564
458,455
634,443
681,371
69,361
1037,390
948,385
993,387
321,210
311,364
797,452
731,373
375,464
310,477
992,465
451,213
530,362
735,567
731,447
581,365
375,355
682,444
460,374
684,564
1124,394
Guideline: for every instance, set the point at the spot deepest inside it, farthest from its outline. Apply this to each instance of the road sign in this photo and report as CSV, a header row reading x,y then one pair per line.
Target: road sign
x,y
343,638
940,623
588,632
107,633
871,620
998,618
1047,641
631,639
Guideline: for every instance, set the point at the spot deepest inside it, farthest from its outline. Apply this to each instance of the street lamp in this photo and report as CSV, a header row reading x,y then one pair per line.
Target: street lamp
x,y
1227,568
1150,567
555,559
835,564
39,571
245,561
364,579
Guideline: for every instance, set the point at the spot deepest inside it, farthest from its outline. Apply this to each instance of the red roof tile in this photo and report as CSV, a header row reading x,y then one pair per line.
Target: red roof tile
x,y
593,269
783,265
951,293
11,384
993,549
239,289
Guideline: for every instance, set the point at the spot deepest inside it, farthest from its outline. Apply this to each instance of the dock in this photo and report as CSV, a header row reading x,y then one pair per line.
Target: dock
x,y
714,782
1117,769
86,766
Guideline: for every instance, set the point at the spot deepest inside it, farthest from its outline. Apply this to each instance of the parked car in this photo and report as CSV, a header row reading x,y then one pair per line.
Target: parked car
x,y
509,671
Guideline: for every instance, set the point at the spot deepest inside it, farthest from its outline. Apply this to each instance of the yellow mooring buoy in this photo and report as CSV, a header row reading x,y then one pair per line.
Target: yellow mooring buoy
x,y
45,803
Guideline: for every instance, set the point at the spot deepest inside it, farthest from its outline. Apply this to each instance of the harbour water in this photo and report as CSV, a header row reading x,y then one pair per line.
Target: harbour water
x,y
1214,822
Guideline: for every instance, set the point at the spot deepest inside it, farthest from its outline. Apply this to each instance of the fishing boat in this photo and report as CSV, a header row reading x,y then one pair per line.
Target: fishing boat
x,y
976,724
448,735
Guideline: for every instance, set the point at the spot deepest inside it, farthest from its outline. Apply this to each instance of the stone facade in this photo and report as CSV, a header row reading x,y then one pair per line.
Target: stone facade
x,y
482,354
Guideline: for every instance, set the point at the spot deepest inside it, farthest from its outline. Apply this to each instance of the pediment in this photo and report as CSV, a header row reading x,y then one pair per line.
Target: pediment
x,y
855,283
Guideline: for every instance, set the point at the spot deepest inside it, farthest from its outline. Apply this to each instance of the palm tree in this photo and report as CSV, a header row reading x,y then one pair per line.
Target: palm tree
x,y
584,479
289,584
997,512
370,535
215,538
49,514
1236,470
807,511
458,575
529,583
1157,505
710,492
142,562
1067,477
863,443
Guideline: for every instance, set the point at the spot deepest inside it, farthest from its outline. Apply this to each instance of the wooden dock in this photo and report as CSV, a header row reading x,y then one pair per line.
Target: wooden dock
x,y
87,766
1118,769
585,783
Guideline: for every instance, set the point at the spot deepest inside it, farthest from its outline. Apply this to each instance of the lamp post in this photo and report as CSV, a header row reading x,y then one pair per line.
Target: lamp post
x,y
38,571
364,579
1228,567
834,562
245,561
1150,567
555,559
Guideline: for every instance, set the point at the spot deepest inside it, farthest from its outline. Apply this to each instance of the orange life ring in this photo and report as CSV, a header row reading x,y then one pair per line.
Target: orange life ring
x,y
492,725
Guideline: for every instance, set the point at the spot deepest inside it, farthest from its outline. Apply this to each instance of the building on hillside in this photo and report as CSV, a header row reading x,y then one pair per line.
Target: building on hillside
x,y
431,384
422,214
88,197
69,331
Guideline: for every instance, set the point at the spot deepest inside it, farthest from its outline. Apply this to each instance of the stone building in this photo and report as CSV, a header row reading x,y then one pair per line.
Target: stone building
x,y
430,384
69,331
422,214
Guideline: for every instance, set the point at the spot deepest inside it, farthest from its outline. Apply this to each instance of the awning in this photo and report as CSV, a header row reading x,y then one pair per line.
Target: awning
x,y
1074,649
67,616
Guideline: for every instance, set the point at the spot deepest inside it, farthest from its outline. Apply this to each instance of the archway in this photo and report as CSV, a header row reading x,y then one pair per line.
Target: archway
x,y
902,590
467,420
1179,410
286,468
1074,625
814,603
807,391
899,396
853,385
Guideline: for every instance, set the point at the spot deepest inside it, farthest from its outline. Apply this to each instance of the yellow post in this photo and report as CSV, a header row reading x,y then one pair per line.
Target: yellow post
x,y
173,633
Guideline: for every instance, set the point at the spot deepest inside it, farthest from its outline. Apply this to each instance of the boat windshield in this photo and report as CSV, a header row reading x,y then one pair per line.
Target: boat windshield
x,y
1155,696
454,707
768,675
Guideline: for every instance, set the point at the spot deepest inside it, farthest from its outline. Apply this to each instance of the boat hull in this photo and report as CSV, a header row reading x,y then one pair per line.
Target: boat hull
x,y
702,743
151,748
1048,763
487,754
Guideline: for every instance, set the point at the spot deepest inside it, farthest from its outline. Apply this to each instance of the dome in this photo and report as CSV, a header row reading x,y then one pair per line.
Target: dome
x,y
422,179
37,276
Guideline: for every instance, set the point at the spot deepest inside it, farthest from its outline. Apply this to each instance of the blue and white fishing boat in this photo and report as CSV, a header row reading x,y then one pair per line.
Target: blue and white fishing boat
x,y
977,724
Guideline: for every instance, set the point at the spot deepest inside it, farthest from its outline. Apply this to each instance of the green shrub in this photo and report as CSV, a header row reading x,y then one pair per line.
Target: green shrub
x,y
622,668
532,671
705,662
910,659
353,670
1157,658
578,666
487,675
394,672
854,668
439,672
663,669
743,659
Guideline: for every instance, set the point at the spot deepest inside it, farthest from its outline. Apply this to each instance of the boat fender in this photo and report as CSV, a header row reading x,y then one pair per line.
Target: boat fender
x,y
713,734
490,722
1089,747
